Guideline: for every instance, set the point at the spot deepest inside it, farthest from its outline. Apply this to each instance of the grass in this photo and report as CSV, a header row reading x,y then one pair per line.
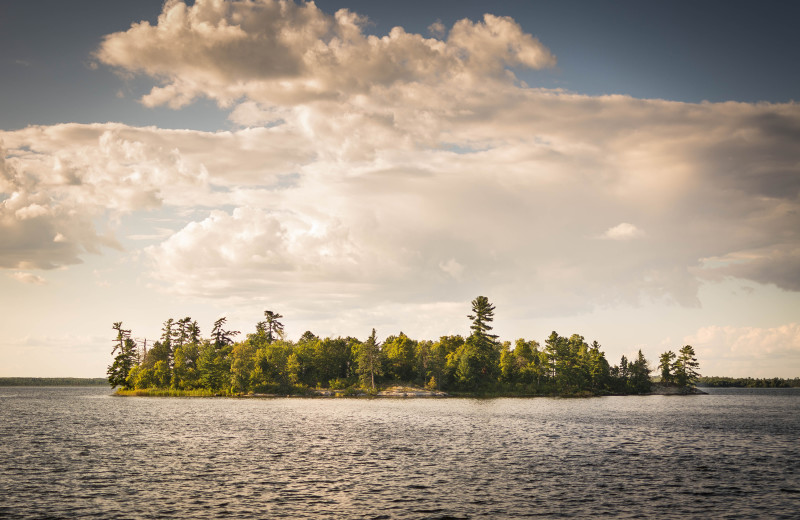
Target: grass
x,y
168,392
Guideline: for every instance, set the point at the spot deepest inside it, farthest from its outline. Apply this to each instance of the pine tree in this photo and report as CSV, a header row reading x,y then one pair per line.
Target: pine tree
x,y
665,365
274,328
369,360
479,364
222,337
685,367
123,363
639,371
483,315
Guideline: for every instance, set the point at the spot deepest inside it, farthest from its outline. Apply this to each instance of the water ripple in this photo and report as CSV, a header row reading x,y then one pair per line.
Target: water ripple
x,y
74,452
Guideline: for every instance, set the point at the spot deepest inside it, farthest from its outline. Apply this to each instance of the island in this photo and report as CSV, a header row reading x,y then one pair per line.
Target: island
x,y
265,363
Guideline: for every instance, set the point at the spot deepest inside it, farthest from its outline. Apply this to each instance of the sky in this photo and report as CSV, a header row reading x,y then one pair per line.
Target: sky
x,y
628,171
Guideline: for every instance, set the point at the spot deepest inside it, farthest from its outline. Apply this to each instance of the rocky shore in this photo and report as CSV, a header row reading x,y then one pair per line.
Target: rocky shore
x,y
394,391
673,389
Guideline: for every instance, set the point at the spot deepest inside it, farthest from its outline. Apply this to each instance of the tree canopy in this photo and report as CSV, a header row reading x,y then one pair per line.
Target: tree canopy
x,y
265,361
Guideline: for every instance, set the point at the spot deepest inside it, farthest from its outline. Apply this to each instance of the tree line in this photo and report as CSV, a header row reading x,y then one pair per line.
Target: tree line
x,y
53,381
265,361
748,382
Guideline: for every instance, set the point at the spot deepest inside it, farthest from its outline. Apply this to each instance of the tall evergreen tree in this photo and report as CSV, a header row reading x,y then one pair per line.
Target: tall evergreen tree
x,y
181,336
665,366
639,379
222,337
125,350
552,349
685,367
167,337
479,363
193,331
482,315
274,328
369,361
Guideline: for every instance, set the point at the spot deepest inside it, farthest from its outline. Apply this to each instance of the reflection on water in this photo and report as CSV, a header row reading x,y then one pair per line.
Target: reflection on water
x,y
78,452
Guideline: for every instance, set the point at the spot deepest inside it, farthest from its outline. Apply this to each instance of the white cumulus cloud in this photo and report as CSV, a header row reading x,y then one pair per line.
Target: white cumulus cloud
x,y
623,231
278,52
749,351
403,168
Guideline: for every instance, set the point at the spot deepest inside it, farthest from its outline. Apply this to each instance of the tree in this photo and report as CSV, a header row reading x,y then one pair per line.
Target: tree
x,y
598,367
308,336
184,372
369,360
665,365
444,360
159,352
273,328
482,315
162,375
214,366
399,352
193,331
331,360
575,365
222,337
685,367
621,374
242,365
424,360
479,364
181,336
271,372
168,333
125,348
553,348
509,369
639,375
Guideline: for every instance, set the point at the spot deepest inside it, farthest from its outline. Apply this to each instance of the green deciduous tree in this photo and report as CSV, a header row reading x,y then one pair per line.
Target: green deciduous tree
x,y
399,353
185,375
243,359
443,360
271,372
162,375
214,366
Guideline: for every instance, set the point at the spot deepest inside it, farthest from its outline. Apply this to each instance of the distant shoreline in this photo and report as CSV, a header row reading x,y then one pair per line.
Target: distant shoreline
x,y
53,381
401,392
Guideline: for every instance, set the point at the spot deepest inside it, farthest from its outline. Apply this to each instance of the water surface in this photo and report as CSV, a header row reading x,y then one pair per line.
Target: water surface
x,y
79,452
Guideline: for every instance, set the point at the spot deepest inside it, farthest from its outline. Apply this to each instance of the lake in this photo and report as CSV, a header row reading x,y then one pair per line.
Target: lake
x,y
82,453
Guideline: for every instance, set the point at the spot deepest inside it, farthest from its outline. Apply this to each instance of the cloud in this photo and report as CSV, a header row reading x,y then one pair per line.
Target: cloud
x,y
38,229
748,351
407,169
277,52
778,264
29,278
452,268
623,231
64,187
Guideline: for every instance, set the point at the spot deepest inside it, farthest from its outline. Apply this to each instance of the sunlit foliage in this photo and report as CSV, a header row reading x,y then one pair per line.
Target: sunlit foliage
x,y
265,362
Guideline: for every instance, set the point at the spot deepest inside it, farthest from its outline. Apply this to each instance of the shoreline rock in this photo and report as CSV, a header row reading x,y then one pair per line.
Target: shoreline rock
x,y
407,391
673,389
